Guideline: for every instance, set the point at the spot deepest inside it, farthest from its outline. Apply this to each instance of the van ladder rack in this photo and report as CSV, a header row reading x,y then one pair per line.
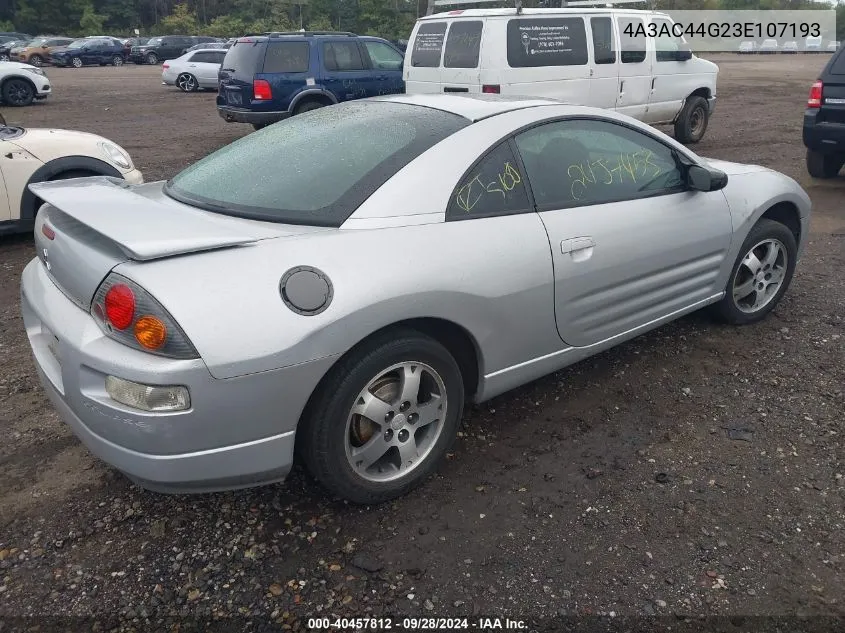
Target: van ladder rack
x,y
518,3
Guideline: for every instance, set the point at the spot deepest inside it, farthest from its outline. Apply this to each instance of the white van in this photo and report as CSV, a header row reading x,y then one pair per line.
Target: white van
x,y
597,57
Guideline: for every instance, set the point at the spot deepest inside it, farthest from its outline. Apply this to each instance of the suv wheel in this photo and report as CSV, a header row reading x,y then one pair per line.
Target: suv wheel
x,y
17,92
824,165
5,58
692,121
76,62
117,60
152,58
36,60
308,106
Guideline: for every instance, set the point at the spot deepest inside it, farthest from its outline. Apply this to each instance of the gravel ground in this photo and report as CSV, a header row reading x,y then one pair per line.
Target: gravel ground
x,y
695,471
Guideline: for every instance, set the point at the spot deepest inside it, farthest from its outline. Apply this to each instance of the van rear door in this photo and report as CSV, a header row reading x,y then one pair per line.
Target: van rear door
x,y
423,57
459,71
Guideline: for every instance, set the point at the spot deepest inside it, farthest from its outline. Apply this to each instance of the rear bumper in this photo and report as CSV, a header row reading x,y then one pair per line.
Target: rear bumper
x,y
133,177
240,115
238,432
824,136
711,104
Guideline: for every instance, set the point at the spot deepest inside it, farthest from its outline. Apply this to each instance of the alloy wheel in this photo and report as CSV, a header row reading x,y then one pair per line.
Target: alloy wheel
x,y
760,275
395,422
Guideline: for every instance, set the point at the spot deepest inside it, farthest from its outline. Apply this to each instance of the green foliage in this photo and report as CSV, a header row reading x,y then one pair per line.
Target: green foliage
x,y
181,21
92,22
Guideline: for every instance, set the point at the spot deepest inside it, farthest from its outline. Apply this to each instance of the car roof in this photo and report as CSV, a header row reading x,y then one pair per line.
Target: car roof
x,y
474,107
476,13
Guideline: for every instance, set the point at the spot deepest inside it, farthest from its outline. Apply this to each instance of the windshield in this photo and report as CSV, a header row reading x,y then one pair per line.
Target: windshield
x,y
314,168
38,41
154,41
78,43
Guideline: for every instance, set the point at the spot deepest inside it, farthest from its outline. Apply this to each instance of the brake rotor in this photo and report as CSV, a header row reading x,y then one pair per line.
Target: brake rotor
x,y
362,430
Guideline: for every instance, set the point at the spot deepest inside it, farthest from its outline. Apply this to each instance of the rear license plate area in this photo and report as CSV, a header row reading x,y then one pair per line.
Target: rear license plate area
x,y
233,97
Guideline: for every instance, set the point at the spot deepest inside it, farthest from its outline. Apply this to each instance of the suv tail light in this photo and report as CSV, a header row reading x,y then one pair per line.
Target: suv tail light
x,y
165,66
128,314
261,90
815,98
491,89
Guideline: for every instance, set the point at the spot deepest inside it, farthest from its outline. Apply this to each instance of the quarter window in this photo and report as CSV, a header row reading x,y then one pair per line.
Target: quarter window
x,y
463,44
343,56
285,57
579,162
428,45
494,187
632,36
546,42
604,46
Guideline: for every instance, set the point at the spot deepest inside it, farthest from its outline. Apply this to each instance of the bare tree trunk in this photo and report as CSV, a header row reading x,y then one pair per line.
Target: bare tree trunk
x,y
430,8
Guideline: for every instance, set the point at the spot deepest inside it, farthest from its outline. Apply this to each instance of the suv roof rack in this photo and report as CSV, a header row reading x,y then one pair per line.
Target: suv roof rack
x,y
306,33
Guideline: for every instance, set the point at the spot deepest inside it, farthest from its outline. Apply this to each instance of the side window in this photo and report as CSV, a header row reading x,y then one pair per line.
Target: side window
x,y
342,56
428,45
604,44
666,45
286,57
200,58
216,57
463,44
632,35
383,56
578,162
495,186
536,42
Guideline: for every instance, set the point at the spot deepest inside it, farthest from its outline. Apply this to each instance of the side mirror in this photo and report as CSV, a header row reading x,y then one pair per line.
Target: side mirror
x,y
683,55
704,179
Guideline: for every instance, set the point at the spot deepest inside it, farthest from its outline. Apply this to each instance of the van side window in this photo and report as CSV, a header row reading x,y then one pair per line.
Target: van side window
x,y
603,42
463,44
495,186
666,45
428,45
534,42
579,162
632,34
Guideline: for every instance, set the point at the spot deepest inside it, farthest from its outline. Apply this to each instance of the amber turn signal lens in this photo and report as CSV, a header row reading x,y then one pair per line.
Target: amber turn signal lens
x,y
150,332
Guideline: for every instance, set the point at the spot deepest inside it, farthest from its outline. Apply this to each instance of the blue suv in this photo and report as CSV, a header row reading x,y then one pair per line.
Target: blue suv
x,y
89,51
270,77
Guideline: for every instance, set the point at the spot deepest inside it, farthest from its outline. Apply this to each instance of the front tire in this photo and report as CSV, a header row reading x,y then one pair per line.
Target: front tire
x,y
383,418
824,165
17,93
186,82
692,121
117,60
76,62
761,274
36,60
152,59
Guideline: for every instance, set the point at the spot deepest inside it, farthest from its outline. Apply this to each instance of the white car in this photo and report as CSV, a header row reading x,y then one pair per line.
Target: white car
x,y
586,56
747,48
29,156
769,46
195,70
21,83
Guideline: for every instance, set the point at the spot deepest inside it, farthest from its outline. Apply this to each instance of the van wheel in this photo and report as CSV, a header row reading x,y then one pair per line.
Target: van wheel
x,y
824,165
692,121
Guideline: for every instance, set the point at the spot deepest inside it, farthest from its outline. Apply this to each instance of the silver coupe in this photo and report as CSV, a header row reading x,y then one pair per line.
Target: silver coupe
x,y
337,285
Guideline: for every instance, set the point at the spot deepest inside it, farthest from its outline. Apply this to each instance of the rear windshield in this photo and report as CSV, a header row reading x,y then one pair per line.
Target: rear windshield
x,y
245,58
428,45
837,66
315,168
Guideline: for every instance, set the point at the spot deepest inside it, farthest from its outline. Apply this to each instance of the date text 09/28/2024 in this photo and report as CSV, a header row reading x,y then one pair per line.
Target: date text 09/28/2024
x,y
415,624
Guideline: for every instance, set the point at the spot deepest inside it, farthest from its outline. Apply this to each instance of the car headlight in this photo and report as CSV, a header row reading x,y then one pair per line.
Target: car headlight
x,y
116,155
35,71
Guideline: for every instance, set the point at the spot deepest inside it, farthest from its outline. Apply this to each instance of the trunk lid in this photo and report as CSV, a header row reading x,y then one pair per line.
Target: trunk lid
x,y
90,225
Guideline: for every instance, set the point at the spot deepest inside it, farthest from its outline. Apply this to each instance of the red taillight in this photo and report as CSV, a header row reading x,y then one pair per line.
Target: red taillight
x,y
48,231
120,306
164,66
491,89
261,90
815,98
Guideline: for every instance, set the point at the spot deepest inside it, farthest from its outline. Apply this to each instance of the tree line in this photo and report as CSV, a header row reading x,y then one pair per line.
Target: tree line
x,y
392,19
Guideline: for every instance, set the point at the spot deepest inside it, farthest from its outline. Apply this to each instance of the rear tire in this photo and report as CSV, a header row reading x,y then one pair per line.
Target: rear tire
x,y
259,126
308,106
411,395
152,59
824,165
692,121
751,279
17,92
186,82
117,60
36,60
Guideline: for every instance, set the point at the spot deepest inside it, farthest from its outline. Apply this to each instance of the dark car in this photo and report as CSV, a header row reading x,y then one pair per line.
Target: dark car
x,y
159,48
209,45
90,51
824,120
269,77
201,39
6,48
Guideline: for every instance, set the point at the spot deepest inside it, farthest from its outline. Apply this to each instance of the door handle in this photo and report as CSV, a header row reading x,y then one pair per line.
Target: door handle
x,y
621,87
576,244
653,79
